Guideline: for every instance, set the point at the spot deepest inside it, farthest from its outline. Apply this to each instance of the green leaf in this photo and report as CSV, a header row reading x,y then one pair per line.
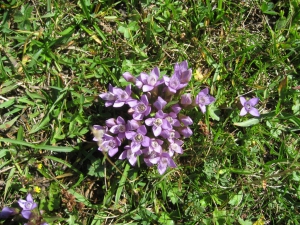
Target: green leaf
x,y
165,219
122,184
54,199
44,147
8,124
9,181
247,123
213,111
236,199
244,222
8,103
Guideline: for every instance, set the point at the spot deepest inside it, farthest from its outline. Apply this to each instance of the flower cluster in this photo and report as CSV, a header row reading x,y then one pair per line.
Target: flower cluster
x,y
27,212
154,126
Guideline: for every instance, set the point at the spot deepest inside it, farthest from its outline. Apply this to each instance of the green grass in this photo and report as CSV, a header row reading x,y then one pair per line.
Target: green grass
x,y
58,56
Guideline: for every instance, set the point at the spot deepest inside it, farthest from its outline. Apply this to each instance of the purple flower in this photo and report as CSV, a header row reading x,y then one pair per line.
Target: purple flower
x,y
110,144
138,138
158,123
248,106
172,119
170,134
182,72
27,205
149,82
203,99
175,146
141,109
155,145
163,161
109,97
119,127
159,104
128,77
7,212
173,84
148,156
186,99
123,97
131,156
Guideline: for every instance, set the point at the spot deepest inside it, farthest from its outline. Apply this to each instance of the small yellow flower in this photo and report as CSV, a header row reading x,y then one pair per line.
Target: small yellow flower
x,y
37,189
39,166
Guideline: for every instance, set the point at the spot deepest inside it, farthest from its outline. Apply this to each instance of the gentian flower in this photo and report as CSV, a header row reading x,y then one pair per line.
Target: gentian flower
x,y
128,77
159,104
186,99
138,138
203,99
149,82
163,161
158,123
110,144
131,156
175,146
170,134
155,145
173,84
141,108
7,212
27,205
119,127
182,72
109,97
248,106
123,97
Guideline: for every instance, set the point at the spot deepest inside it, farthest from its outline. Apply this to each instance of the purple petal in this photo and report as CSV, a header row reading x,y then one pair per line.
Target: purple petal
x,y
130,134
123,155
154,160
243,112
144,77
146,141
253,101
147,88
186,132
132,160
156,130
205,91
203,108
242,100
112,152
149,121
155,72
160,103
29,198
26,213
211,99
118,104
110,122
7,212
135,146
128,77
254,112
161,167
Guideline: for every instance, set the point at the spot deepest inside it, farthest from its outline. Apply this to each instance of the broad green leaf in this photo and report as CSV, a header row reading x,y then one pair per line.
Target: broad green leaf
x,y
236,199
247,123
